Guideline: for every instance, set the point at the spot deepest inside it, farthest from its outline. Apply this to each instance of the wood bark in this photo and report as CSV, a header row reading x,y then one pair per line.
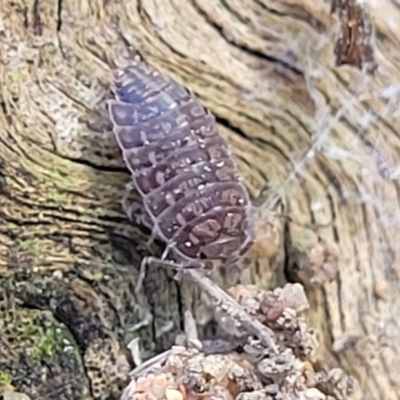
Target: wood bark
x,y
325,140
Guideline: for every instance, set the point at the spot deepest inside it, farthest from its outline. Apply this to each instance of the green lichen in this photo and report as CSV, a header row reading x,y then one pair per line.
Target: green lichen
x,y
40,347
5,379
30,246
46,346
41,338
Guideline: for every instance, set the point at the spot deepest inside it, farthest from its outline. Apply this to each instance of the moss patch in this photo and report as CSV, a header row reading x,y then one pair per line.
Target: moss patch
x,y
36,349
5,378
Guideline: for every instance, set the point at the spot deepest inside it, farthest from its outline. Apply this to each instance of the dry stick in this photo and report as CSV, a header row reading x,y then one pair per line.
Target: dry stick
x,y
223,300
226,302
149,365
233,309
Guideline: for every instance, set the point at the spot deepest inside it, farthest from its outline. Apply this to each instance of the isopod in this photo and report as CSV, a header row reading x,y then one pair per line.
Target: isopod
x,y
182,168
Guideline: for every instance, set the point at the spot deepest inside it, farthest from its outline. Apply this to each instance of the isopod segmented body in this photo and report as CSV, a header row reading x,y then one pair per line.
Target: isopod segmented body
x,y
181,166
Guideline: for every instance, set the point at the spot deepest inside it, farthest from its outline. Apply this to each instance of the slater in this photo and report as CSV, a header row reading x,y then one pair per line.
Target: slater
x,y
193,195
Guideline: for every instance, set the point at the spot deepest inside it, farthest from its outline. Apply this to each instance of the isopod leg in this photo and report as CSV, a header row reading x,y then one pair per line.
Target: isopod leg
x,y
133,209
146,320
146,261
130,208
142,274
177,266
271,203
267,197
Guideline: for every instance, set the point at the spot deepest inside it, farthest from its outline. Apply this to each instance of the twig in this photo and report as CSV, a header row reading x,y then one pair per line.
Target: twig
x,y
233,309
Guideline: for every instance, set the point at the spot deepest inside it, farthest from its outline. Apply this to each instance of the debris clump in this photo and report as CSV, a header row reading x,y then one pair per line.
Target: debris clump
x,y
249,370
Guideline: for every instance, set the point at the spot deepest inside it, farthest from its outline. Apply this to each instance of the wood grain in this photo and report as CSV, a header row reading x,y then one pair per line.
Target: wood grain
x,y
309,130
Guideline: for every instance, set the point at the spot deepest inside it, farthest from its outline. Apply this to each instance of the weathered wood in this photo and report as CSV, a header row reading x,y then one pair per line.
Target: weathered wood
x,y
68,255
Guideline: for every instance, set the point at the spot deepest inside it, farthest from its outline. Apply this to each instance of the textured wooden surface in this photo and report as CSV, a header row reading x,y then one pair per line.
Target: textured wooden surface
x,y
68,255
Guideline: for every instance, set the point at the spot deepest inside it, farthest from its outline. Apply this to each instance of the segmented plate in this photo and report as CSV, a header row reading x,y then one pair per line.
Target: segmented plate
x,y
181,166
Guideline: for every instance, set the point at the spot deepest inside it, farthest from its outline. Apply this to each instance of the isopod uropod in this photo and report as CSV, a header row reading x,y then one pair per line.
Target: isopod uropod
x,y
182,167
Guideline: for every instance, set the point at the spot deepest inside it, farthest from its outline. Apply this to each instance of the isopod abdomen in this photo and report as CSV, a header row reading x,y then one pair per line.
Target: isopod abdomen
x,y
181,166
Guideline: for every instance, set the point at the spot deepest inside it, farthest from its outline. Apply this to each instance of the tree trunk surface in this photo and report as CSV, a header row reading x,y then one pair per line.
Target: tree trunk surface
x,y
324,139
